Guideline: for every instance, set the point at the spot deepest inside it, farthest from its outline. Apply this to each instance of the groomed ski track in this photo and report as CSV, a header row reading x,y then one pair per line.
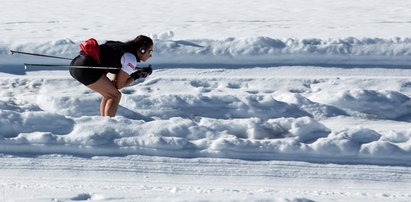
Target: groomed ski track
x,y
142,178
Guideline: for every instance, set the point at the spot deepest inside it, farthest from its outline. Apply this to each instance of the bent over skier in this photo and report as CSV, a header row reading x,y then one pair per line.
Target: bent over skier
x,y
123,56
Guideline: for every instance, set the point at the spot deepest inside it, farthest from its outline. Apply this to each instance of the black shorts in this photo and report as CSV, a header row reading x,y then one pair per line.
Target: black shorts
x,y
84,75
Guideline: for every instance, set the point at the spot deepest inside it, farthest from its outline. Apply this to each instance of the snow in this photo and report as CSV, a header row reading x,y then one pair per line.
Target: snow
x,y
229,113
248,101
138,178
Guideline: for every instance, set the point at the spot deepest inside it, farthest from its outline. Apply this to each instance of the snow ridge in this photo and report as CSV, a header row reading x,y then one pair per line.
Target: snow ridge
x,y
253,50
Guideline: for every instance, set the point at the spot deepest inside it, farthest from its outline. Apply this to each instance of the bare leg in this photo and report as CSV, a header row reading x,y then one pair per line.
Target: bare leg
x,y
111,96
103,106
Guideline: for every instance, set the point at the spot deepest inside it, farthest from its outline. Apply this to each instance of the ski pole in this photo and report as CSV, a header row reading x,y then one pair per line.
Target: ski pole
x,y
41,55
26,65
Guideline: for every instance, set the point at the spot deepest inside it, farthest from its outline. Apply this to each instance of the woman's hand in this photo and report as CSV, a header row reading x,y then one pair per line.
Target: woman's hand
x,y
144,73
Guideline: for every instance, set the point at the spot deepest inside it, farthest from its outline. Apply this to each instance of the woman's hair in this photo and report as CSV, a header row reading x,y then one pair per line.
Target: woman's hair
x,y
141,42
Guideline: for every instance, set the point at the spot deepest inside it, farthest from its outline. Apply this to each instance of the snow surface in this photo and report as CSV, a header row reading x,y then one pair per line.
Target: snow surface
x,y
249,101
249,113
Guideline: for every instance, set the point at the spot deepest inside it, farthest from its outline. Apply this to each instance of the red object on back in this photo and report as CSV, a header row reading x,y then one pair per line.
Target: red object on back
x,y
91,48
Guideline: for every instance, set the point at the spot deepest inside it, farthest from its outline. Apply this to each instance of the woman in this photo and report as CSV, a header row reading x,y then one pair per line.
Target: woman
x,y
123,56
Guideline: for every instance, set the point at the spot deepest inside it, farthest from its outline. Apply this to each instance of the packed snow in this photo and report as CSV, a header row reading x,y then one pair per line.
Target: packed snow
x,y
261,100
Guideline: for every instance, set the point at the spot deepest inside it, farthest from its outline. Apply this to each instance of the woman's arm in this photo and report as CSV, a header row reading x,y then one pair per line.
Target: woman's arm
x,y
122,79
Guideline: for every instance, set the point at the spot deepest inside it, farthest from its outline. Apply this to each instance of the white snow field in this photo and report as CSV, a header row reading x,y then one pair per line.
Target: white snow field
x,y
249,101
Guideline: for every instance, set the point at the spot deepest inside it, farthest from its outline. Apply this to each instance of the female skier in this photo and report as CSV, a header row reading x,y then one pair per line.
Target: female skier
x,y
123,56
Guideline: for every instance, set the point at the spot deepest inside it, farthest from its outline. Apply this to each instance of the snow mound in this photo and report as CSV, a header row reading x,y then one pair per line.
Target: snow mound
x,y
203,116
371,103
13,123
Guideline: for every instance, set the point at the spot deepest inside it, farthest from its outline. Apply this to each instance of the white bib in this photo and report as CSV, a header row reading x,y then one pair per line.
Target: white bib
x,y
128,63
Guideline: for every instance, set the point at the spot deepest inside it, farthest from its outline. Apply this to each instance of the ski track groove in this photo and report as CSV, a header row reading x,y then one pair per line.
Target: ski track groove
x,y
139,178
208,167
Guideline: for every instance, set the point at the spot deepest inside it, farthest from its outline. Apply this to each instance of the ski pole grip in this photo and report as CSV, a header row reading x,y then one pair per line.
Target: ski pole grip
x,y
143,68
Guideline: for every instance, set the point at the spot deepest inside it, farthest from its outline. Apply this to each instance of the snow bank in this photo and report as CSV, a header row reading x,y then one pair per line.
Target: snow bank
x,y
204,114
370,103
291,138
245,51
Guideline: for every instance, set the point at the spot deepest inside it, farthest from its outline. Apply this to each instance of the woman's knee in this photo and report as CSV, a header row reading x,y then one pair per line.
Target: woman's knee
x,y
115,95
